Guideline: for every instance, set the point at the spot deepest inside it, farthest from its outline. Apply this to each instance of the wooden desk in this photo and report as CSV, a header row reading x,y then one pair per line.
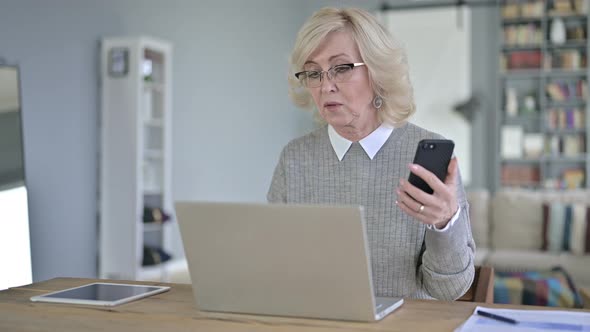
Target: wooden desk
x,y
175,311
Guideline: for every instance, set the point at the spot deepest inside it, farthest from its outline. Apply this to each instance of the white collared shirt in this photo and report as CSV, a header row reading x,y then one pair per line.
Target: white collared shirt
x,y
371,145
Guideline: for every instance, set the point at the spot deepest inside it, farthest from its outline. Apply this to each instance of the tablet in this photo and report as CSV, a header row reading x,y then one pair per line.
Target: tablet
x,y
100,293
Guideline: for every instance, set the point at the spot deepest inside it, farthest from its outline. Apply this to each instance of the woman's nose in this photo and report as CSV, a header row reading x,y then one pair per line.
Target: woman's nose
x,y
327,83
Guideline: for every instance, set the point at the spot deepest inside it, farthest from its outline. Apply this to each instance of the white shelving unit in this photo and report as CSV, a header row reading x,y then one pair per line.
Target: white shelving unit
x,y
135,168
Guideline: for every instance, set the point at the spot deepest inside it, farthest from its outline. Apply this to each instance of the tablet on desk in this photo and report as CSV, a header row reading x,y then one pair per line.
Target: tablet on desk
x,y
100,293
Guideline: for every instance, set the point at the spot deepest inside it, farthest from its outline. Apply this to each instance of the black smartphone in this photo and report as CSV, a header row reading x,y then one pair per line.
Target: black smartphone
x,y
434,155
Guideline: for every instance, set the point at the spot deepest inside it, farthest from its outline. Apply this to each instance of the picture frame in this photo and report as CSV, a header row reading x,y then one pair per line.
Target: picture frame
x,y
118,62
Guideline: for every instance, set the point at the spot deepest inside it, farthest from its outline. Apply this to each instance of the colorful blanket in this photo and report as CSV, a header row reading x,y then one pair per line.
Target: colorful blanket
x,y
552,288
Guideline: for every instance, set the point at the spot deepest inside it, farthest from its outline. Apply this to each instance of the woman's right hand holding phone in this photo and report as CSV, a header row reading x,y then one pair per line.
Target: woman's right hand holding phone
x,y
435,209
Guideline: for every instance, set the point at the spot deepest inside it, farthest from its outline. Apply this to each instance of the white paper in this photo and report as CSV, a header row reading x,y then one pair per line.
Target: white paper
x,y
528,321
512,137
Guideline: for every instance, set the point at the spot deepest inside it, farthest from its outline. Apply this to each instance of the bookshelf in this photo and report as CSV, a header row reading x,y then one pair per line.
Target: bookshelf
x,y
543,95
138,234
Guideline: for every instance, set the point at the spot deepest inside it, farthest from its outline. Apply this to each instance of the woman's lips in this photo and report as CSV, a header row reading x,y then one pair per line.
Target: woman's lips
x,y
332,106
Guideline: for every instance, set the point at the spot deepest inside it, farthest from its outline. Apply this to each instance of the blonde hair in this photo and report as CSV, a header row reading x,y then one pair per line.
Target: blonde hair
x,y
386,62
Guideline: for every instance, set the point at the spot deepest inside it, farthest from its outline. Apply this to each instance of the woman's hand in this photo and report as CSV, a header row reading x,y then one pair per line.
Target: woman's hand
x,y
436,209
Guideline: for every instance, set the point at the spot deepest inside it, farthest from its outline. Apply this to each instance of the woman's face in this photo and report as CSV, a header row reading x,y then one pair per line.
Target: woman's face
x,y
344,104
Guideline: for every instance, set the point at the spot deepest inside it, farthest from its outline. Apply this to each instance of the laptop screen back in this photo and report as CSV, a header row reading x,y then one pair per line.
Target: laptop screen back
x,y
307,261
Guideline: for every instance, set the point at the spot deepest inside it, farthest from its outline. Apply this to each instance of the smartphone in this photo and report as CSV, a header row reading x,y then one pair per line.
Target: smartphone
x,y
434,155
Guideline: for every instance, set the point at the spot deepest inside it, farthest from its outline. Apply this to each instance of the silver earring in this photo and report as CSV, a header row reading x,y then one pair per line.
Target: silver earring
x,y
377,102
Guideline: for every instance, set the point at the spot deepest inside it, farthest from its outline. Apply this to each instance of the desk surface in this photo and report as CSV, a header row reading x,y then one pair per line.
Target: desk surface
x,y
175,311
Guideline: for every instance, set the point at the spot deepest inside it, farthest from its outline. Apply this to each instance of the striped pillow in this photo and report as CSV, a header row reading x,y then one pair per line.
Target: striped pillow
x,y
566,227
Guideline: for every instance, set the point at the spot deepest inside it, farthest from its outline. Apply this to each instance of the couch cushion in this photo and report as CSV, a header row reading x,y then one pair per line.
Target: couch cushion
x,y
517,221
517,216
481,256
479,200
522,260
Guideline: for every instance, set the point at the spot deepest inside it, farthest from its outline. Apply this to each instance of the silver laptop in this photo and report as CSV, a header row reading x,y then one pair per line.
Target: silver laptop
x,y
285,260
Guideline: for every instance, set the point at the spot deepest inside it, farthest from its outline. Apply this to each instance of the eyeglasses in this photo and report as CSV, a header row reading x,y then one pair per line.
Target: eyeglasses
x,y
339,74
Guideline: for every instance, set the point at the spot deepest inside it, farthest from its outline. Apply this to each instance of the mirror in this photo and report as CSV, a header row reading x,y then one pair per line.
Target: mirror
x,y
15,248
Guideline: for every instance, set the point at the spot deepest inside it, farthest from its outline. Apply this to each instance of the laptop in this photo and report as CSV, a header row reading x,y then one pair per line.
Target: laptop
x,y
284,260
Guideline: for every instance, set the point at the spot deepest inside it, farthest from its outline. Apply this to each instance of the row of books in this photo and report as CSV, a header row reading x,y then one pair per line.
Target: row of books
x,y
531,34
534,9
521,60
565,145
567,90
530,176
516,9
572,178
522,34
516,144
520,175
565,118
568,7
567,59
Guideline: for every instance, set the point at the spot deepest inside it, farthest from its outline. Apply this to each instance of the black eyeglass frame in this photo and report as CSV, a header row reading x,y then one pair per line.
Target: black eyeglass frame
x,y
321,73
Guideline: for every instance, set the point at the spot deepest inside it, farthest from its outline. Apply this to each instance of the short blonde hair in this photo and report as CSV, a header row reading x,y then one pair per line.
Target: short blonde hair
x,y
386,62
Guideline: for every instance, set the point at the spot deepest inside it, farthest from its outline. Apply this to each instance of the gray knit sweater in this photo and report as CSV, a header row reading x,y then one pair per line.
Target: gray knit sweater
x,y
407,259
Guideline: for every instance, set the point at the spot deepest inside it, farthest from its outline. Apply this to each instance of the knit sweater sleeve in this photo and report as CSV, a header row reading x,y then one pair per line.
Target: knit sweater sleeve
x,y
277,193
447,270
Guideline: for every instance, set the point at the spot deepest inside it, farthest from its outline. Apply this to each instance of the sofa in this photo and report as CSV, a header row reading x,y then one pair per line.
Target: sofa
x,y
510,229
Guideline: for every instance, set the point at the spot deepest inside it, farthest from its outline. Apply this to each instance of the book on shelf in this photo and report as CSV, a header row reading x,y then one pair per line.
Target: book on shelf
x,y
529,9
565,118
563,90
532,9
568,7
568,59
521,60
582,91
523,35
565,145
573,178
573,145
520,175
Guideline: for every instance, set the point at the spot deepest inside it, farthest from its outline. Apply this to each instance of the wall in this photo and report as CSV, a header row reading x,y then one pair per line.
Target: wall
x,y
55,45
440,82
232,114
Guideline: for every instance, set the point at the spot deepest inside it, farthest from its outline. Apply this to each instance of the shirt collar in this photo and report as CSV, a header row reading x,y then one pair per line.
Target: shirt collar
x,y
371,144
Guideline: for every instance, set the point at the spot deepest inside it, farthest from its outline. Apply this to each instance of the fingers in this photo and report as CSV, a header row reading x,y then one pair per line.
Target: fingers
x,y
410,199
452,172
438,207
409,191
423,217
435,183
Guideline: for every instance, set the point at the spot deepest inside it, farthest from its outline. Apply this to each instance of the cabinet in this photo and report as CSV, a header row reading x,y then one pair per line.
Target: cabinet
x,y
138,234
543,120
